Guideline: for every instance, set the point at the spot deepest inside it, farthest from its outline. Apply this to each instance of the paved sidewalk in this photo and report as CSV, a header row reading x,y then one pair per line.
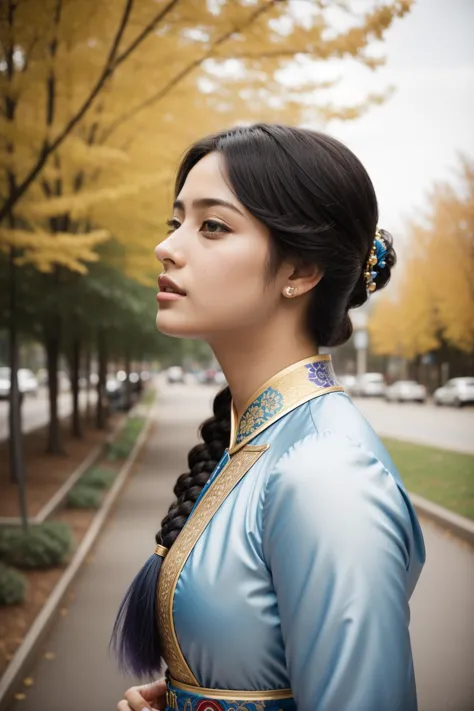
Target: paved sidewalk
x,y
82,677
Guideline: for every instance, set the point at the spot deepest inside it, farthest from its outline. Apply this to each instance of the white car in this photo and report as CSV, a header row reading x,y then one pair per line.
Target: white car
x,y
369,385
406,391
27,383
175,374
4,383
457,391
348,382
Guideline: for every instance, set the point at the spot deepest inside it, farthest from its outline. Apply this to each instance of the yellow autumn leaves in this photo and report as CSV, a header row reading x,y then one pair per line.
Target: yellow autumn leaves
x,y
102,97
434,300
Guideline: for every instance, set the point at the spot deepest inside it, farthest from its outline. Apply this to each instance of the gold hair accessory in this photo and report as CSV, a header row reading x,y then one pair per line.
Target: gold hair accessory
x,y
375,261
161,551
290,291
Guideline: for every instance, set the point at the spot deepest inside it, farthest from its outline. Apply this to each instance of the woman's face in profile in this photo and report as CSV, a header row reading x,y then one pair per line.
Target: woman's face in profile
x,y
217,253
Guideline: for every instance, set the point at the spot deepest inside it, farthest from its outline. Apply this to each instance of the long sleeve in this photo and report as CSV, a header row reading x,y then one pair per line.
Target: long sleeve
x,y
338,539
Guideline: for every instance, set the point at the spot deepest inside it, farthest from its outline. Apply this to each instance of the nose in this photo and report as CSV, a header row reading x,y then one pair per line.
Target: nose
x,y
167,252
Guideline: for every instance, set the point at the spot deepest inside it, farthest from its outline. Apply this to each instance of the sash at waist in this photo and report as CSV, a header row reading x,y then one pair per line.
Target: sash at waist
x,y
184,697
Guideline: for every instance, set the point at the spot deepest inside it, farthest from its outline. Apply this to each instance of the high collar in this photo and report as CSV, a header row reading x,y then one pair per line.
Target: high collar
x,y
291,387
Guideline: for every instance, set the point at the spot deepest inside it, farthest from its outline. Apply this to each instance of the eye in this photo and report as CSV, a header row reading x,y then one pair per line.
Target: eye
x,y
212,228
173,225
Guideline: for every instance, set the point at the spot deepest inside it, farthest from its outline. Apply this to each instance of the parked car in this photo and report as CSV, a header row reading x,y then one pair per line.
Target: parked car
x,y
457,391
116,393
4,383
348,382
27,383
370,385
211,376
175,374
405,391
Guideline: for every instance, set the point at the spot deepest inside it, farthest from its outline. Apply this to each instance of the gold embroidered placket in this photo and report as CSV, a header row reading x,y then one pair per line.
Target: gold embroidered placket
x,y
179,552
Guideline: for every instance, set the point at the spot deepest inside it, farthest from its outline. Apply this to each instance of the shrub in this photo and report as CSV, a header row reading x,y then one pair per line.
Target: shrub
x,y
122,447
84,497
44,545
97,478
119,450
12,586
132,429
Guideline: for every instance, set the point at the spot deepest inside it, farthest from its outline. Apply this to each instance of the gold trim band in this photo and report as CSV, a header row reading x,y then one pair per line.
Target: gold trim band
x,y
232,695
161,551
235,469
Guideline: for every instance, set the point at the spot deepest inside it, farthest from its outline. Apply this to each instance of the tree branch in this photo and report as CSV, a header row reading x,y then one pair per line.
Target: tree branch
x,y
185,72
111,64
48,148
146,31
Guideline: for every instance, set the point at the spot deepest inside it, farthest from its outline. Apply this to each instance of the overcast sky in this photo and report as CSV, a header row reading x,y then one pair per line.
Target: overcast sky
x,y
414,138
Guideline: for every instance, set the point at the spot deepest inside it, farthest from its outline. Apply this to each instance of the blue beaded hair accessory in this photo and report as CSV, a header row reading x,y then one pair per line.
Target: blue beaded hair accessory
x,y
375,261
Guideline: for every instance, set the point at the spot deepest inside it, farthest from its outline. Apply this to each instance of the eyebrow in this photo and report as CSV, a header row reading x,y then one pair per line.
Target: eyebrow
x,y
207,202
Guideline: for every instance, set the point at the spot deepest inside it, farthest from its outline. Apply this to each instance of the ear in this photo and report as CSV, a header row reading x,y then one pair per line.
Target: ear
x,y
303,278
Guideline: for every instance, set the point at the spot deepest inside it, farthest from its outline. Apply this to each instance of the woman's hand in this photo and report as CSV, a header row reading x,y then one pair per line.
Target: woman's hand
x,y
142,698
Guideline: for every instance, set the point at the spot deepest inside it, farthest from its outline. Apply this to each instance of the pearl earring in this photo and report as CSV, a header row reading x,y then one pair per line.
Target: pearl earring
x,y
290,291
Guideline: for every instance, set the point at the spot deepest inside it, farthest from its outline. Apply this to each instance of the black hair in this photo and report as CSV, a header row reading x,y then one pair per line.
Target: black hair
x,y
319,205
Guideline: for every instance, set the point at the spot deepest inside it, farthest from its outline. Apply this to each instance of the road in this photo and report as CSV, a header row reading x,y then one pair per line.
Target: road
x,y
82,677
35,410
445,427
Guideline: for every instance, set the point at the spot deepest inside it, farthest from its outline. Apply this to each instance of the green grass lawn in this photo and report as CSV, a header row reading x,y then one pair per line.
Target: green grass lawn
x,y
445,477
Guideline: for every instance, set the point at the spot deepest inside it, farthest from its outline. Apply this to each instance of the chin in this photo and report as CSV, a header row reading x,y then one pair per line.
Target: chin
x,y
169,325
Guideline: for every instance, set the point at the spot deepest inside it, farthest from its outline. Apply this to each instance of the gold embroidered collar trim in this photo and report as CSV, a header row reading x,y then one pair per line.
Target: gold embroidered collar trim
x,y
291,387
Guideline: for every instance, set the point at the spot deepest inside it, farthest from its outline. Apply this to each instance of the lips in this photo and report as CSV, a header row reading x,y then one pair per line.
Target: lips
x,y
167,285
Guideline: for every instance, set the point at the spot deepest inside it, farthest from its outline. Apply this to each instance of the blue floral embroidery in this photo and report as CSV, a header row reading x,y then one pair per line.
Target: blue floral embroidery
x,y
267,405
320,373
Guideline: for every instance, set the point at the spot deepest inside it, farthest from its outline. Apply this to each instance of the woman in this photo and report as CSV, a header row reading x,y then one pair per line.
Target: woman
x,y
288,586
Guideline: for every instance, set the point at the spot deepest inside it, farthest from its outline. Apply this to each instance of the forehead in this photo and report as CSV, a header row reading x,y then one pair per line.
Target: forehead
x,y
208,177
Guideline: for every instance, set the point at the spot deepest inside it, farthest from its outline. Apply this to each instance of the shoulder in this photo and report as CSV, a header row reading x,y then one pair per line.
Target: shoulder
x,y
332,492
327,457
332,479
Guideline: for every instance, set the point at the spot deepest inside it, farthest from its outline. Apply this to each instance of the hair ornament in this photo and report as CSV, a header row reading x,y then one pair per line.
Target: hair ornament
x,y
375,261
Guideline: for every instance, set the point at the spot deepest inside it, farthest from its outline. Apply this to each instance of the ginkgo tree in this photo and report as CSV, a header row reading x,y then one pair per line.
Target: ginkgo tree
x,y
95,116
99,99
434,301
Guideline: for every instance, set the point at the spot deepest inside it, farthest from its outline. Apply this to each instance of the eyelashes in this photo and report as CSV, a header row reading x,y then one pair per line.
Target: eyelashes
x,y
173,225
209,228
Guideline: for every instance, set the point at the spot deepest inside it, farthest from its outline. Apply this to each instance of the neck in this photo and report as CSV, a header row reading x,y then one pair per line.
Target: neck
x,y
248,360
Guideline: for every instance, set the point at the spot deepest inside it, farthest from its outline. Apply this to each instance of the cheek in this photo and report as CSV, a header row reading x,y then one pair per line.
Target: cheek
x,y
233,285
226,290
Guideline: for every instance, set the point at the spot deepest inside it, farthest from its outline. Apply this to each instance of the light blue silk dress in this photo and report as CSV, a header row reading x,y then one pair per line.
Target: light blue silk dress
x,y
289,586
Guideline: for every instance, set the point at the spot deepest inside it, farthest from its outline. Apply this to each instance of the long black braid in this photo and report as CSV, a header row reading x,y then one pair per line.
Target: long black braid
x,y
202,460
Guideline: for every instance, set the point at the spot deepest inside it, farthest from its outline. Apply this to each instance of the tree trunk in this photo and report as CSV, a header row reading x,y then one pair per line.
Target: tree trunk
x,y
76,429
101,391
52,344
87,375
17,465
128,384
